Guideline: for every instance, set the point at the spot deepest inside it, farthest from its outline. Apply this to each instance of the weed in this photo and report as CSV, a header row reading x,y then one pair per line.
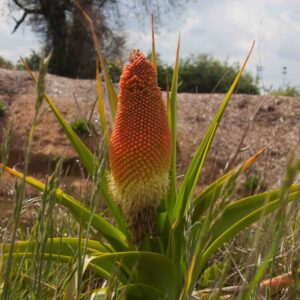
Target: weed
x,y
103,255
3,107
82,127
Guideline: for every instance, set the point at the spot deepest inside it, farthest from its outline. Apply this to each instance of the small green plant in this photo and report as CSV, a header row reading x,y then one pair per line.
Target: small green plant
x,y
169,262
2,108
287,91
82,127
33,61
5,64
253,184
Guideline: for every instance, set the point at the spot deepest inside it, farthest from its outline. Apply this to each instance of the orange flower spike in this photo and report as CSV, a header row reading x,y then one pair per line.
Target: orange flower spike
x,y
140,147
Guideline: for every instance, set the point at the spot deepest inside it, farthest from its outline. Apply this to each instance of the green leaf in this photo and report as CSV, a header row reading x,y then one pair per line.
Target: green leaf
x,y
143,267
241,224
154,64
114,208
237,210
140,292
101,105
190,180
112,96
85,155
203,200
194,170
79,211
87,158
63,246
171,199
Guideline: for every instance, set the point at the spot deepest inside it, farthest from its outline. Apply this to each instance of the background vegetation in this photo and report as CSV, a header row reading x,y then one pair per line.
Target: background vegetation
x,y
197,74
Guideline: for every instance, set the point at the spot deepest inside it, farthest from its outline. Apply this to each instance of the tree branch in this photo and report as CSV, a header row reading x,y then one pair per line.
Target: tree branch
x,y
18,23
26,11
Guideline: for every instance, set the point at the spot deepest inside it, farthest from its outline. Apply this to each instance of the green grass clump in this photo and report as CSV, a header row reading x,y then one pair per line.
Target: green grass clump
x,y
96,257
3,107
253,184
6,64
82,126
288,91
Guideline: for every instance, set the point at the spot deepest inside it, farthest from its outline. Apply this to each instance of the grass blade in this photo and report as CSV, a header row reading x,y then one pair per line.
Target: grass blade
x,y
101,105
243,207
202,201
64,246
242,223
141,267
194,170
112,96
171,200
79,211
85,155
154,64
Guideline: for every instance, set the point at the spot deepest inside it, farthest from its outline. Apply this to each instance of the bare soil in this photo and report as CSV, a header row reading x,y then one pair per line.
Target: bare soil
x,y
275,124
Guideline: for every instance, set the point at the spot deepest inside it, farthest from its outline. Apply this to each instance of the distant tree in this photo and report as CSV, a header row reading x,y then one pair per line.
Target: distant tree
x,y
205,74
5,64
62,27
33,61
290,91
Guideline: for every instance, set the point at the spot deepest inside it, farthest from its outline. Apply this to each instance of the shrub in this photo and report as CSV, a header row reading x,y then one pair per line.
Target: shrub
x,y
5,64
205,74
253,184
163,264
2,108
33,61
288,91
82,126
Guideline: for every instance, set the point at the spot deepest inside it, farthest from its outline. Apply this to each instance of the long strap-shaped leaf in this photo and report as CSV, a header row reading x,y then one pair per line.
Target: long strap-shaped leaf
x,y
154,63
173,106
194,170
79,211
101,105
202,201
237,210
112,96
141,291
86,157
64,246
130,291
141,268
198,260
242,223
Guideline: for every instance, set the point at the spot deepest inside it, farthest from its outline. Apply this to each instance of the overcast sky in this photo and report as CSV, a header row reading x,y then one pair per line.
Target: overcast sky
x,y
222,28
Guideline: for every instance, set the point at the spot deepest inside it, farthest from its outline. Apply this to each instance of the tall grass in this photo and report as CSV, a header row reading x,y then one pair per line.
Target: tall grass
x,y
209,240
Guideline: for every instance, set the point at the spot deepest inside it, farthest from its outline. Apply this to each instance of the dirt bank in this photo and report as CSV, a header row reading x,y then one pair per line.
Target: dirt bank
x,y
276,124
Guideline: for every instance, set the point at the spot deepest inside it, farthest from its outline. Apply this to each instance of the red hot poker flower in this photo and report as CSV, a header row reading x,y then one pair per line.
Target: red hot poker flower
x,y
140,147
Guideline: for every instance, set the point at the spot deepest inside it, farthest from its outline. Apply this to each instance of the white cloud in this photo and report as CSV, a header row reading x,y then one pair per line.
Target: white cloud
x,y
227,28
20,43
222,28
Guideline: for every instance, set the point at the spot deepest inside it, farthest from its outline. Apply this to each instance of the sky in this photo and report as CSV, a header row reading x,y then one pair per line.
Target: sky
x,y
224,29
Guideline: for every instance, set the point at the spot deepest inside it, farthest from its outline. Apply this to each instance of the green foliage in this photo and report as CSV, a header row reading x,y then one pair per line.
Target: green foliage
x,y
211,275
5,64
205,74
253,184
2,108
287,91
115,70
82,127
33,61
190,229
